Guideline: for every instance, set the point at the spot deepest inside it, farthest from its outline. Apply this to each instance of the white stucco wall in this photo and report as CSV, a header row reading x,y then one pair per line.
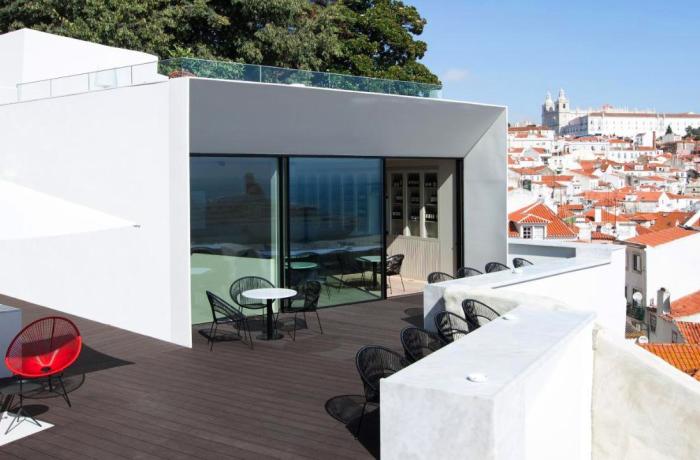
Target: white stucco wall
x,y
673,266
123,152
642,406
38,55
525,409
591,281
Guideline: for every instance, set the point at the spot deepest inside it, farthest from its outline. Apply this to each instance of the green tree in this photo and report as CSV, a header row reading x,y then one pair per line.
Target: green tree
x,y
378,38
360,37
669,130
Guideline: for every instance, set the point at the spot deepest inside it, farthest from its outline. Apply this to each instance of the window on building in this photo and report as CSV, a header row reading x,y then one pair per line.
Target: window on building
x,y
527,232
674,337
637,262
652,322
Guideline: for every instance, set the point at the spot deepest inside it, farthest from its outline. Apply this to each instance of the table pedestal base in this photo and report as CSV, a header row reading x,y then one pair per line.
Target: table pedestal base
x,y
264,336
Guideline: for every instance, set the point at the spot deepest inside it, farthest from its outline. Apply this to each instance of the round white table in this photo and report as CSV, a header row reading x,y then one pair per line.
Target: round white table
x,y
269,295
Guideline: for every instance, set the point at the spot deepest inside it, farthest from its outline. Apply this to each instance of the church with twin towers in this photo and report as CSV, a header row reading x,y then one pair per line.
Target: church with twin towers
x,y
565,120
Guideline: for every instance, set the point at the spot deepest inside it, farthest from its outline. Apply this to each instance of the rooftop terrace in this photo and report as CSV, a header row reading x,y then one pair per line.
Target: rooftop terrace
x,y
143,398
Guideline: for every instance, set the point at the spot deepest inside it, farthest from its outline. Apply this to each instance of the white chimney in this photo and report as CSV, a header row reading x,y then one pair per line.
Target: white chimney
x,y
663,301
598,217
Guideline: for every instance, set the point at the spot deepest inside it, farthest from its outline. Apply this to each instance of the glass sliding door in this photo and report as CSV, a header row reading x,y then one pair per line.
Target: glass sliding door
x,y
335,227
234,221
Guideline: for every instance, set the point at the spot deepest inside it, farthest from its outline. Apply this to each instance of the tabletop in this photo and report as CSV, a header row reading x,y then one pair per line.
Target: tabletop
x,y
372,259
303,265
269,293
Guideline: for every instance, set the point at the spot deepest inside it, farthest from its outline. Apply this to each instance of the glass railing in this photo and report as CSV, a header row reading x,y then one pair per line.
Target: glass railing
x,y
89,81
190,67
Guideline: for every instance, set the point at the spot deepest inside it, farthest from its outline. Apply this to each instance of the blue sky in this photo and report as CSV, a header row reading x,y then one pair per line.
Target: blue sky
x,y
636,54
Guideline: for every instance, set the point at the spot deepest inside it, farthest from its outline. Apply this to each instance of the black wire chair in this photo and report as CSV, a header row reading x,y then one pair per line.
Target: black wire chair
x,y
247,283
495,267
373,364
439,277
465,272
520,262
349,265
451,327
477,313
393,268
311,292
224,314
418,343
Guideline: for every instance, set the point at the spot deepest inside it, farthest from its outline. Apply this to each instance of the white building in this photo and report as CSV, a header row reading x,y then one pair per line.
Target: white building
x,y
662,259
609,121
177,186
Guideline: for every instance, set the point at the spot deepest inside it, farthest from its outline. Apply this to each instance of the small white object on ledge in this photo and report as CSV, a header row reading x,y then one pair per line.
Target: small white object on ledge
x,y
508,317
477,377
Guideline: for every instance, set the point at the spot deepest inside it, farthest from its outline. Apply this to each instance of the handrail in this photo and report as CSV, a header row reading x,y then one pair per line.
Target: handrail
x,y
193,67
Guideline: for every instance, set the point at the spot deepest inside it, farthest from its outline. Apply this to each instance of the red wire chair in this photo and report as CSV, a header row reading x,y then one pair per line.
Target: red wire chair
x,y
43,349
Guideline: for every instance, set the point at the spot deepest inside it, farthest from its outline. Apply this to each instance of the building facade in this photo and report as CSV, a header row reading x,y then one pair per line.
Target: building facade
x,y
608,121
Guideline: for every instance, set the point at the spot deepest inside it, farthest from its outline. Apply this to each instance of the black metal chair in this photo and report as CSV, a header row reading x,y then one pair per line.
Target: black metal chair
x,y
520,262
393,268
349,265
439,277
247,283
451,327
373,364
224,314
418,343
310,292
465,272
495,267
477,313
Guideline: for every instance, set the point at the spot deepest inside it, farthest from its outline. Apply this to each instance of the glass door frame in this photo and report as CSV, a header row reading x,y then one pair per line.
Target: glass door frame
x,y
284,216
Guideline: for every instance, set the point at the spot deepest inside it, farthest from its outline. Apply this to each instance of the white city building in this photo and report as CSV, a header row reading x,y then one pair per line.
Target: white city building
x,y
609,121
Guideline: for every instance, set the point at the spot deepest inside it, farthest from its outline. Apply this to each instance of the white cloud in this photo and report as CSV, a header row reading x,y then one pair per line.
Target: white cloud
x,y
453,75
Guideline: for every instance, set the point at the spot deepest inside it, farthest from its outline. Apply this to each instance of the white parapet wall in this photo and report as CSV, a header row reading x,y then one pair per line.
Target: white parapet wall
x,y
587,277
535,403
642,406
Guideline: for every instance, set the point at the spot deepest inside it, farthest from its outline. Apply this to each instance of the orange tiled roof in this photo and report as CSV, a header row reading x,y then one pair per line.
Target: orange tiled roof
x,y
605,216
683,356
662,236
670,219
601,236
689,331
556,227
686,306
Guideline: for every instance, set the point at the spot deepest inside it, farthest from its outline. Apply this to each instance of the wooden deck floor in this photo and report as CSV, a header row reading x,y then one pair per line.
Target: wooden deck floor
x,y
142,398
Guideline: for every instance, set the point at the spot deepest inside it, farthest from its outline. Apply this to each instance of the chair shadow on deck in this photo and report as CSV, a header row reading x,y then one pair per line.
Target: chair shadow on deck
x,y
414,316
89,361
347,410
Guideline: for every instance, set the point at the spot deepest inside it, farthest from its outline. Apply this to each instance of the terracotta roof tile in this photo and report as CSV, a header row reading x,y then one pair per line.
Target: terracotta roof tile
x,y
689,331
662,236
685,306
683,356
556,227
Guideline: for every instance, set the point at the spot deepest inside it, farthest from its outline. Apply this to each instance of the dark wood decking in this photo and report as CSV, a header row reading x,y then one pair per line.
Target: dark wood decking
x,y
142,398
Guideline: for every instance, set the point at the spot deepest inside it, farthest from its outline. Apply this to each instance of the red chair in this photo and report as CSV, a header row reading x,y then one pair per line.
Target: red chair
x,y
43,349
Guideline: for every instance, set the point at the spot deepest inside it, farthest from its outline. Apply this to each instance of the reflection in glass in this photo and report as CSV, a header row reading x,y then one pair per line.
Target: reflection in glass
x,y
234,225
335,227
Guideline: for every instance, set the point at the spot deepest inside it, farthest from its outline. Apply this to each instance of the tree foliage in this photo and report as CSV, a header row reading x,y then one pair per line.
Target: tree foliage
x,y
374,38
